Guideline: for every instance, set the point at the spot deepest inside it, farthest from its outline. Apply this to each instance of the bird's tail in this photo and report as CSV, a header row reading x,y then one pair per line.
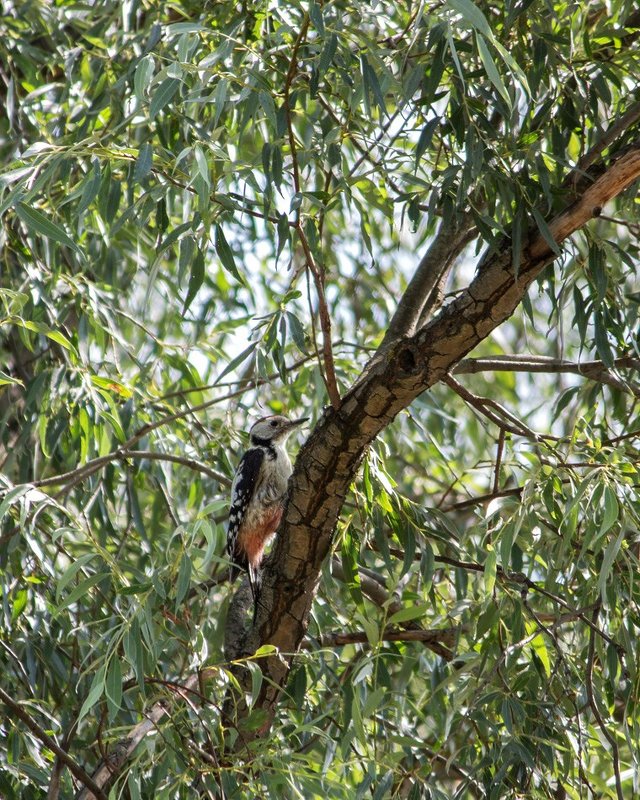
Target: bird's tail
x,y
255,583
254,575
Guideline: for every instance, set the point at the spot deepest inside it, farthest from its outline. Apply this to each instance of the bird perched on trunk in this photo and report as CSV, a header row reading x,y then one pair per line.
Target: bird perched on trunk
x,y
257,496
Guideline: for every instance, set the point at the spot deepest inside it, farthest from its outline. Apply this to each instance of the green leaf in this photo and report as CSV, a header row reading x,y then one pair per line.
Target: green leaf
x,y
91,188
18,603
237,360
426,135
315,14
327,55
602,340
142,78
62,340
71,571
546,232
297,332
11,496
409,613
184,579
265,650
38,223
95,693
607,564
225,254
196,279
490,570
8,379
492,70
517,226
144,162
81,590
163,95
113,686
611,509
471,14
349,557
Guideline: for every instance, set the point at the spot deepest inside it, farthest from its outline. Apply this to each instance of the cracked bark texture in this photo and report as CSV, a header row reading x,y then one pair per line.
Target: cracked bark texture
x,y
396,375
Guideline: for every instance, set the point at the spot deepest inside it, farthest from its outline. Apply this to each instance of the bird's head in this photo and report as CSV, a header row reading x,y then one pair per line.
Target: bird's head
x,y
274,429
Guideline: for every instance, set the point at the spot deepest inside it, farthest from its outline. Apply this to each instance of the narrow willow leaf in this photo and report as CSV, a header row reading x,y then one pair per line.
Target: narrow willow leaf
x,y
113,686
144,162
12,495
225,254
142,78
219,99
491,69
315,14
81,590
517,226
237,361
297,332
196,279
174,235
409,613
611,509
7,379
545,231
62,340
269,108
471,14
184,578
349,558
426,135
327,54
490,569
38,223
602,340
163,95
607,563
91,187
95,692
69,574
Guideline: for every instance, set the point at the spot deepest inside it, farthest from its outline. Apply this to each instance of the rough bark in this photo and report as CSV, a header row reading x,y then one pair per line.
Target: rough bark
x,y
396,375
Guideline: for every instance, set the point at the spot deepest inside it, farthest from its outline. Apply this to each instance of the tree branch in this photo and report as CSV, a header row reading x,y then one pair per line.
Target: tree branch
x,y
395,376
615,756
436,637
51,743
91,467
447,244
594,370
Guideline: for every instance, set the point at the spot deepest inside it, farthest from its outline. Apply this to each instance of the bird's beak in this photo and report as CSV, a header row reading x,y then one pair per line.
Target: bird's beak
x,y
295,422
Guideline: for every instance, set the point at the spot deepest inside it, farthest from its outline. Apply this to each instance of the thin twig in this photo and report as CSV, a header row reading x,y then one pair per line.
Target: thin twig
x,y
500,449
374,589
615,755
444,636
594,370
51,743
93,466
329,372
506,421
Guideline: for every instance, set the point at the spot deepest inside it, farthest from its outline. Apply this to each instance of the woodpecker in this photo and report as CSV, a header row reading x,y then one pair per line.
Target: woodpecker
x,y
257,495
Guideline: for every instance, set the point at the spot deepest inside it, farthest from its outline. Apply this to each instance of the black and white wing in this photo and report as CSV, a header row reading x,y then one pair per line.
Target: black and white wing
x,y
242,491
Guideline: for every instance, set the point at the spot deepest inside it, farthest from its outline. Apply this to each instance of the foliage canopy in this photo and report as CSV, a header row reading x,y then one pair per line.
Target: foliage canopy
x,y
212,211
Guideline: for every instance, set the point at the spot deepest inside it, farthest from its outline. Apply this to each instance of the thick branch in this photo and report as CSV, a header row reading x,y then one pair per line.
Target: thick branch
x,y
396,375
436,262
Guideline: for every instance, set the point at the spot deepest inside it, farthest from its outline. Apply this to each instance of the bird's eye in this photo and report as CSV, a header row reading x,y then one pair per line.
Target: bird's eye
x,y
273,423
